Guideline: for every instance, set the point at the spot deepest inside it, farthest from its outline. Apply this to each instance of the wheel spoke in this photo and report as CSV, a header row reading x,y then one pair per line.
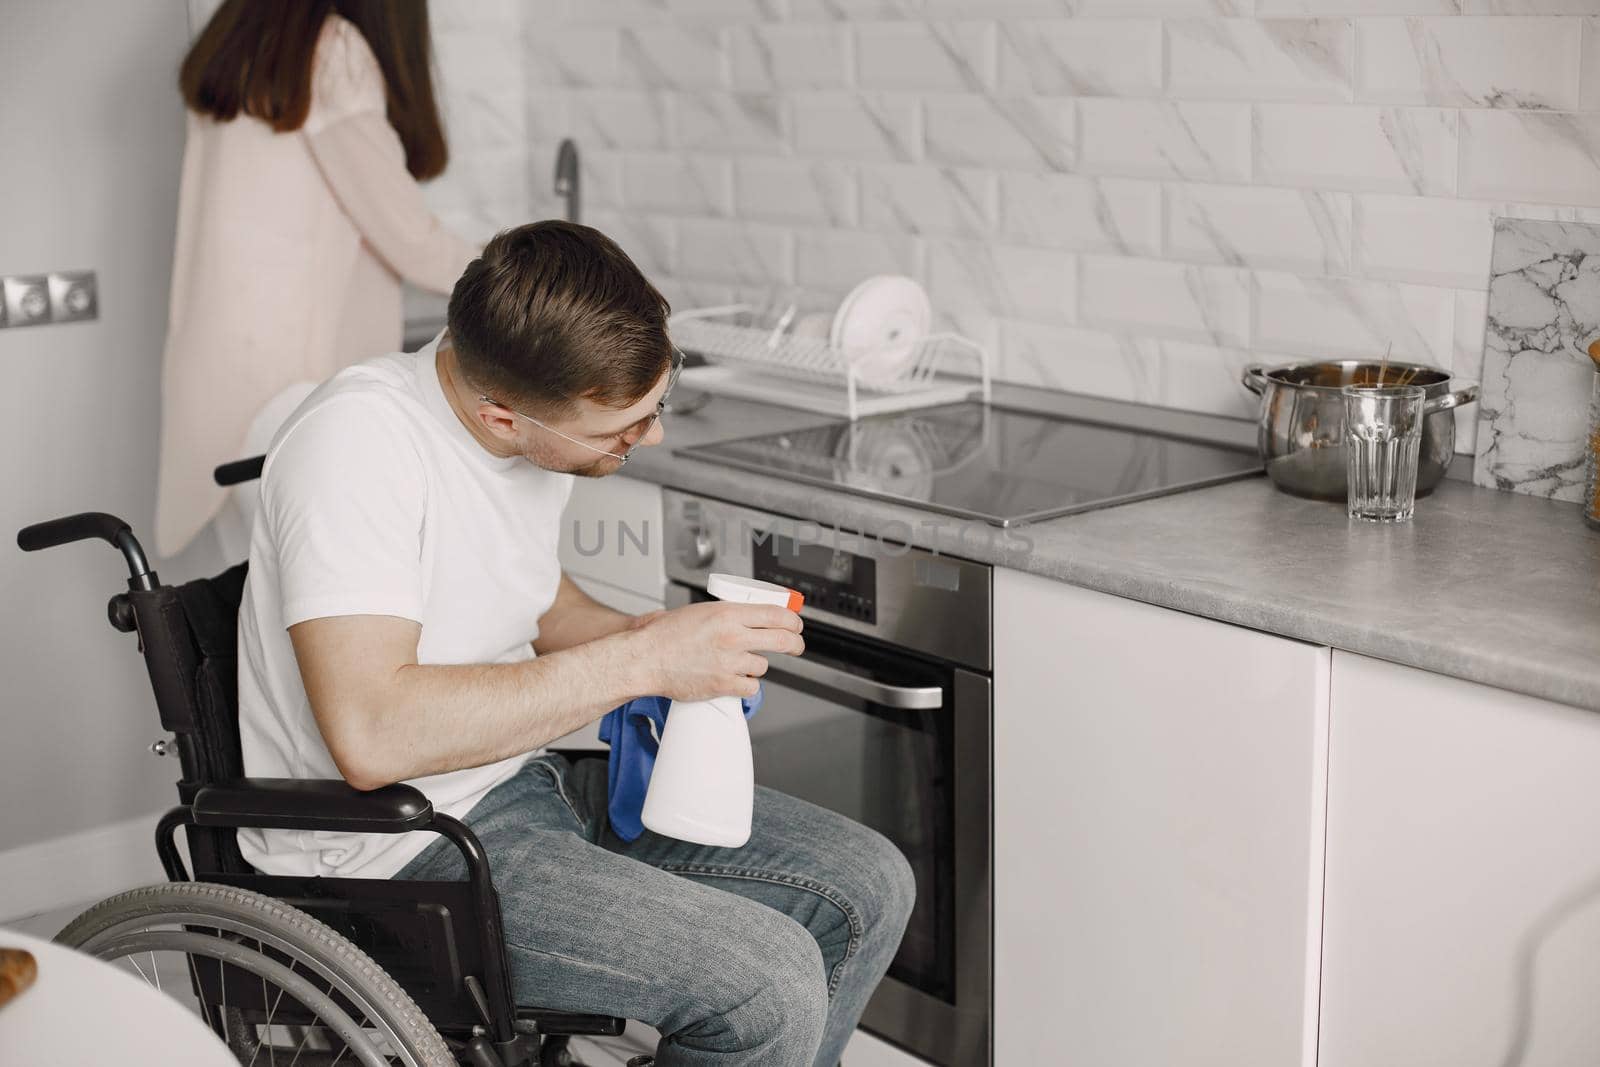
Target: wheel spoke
x,y
155,971
140,969
306,1036
272,1046
222,976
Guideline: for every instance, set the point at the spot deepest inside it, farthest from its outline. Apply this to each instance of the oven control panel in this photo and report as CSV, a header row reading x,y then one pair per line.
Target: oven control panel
x,y
831,579
903,595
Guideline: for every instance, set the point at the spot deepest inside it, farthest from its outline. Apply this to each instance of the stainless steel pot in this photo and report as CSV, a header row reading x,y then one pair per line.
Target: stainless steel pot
x,y
1301,433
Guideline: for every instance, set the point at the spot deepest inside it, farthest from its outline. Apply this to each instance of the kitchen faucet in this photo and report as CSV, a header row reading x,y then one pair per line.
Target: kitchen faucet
x,y
567,176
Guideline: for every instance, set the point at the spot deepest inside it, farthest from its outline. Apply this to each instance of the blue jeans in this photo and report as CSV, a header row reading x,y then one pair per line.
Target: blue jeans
x,y
764,954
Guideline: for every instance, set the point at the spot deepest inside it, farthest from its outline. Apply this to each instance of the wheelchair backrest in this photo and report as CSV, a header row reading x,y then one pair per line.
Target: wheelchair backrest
x,y
189,636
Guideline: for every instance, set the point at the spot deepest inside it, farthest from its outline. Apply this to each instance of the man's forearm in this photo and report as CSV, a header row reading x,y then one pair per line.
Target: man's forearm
x,y
445,718
575,619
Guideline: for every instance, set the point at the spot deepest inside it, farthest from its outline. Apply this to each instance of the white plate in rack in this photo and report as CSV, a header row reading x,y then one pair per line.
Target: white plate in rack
x,y
879,325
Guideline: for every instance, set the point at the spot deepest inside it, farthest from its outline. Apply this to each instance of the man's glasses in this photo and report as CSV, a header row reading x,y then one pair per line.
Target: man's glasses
x,y
638,438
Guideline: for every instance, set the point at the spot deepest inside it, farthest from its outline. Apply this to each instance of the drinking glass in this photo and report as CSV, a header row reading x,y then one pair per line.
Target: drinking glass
x,y
1382,438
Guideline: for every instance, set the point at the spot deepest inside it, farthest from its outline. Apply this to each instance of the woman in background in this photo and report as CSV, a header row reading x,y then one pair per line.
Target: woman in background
x,y
310,123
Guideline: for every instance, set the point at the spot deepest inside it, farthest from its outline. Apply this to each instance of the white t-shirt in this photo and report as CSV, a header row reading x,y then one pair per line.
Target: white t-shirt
x,y
375,500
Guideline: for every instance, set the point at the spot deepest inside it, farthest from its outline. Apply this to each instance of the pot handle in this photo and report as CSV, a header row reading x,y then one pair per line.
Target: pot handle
x,y
1254,378
1465,394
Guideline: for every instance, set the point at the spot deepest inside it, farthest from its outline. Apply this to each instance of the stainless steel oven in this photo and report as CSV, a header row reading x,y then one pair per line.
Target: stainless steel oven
x,y
887,719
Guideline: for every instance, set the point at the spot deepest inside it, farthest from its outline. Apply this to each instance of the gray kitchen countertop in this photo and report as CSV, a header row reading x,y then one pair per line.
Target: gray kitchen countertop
x,y
1492,587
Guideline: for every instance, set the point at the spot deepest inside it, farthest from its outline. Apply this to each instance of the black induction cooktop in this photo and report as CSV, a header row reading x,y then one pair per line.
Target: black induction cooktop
x,y
1002,465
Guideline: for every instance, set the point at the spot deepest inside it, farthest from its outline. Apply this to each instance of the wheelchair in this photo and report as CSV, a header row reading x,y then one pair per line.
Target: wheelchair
x,y
310,969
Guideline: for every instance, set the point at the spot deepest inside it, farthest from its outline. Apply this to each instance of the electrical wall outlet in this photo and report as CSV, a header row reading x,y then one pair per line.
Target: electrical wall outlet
x,y
72,296
27,298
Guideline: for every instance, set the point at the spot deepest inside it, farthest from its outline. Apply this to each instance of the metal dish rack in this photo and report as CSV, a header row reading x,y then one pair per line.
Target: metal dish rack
x,y
761,363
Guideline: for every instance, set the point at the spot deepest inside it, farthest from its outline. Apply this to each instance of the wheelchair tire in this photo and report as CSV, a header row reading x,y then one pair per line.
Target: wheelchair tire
x,y
315,949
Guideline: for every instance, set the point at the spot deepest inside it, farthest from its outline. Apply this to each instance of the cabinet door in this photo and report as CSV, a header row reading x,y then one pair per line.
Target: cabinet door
x,y
1463,893
611,532
1159,795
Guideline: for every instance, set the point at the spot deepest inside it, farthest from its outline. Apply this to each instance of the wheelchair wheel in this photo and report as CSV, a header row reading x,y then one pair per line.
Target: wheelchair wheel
x,y
269,979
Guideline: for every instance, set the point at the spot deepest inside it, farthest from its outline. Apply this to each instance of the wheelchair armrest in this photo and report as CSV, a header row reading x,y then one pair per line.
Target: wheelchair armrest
x,y
312,804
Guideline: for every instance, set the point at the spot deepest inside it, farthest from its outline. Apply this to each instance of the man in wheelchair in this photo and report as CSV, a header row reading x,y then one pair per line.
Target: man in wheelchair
x,y
406,619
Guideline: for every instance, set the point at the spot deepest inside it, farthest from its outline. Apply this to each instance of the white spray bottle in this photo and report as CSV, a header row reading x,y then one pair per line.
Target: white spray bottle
x,y
703,786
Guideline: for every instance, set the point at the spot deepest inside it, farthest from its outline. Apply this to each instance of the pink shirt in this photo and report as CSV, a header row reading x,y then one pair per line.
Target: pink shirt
x,y
291,249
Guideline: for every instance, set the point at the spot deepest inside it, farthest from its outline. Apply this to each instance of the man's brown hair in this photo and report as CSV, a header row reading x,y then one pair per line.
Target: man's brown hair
x,y
553,311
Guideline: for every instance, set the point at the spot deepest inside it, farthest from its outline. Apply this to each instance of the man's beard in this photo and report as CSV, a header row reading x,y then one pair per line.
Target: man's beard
x,y
600,468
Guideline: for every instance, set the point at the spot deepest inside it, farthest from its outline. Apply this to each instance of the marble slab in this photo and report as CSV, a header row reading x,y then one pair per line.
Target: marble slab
x,y
1544,309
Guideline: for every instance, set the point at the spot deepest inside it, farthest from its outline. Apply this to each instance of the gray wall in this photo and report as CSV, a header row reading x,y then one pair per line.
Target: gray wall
x,y
91,140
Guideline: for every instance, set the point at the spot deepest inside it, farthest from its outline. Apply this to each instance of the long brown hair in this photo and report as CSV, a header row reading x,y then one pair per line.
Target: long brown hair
x,y
254,56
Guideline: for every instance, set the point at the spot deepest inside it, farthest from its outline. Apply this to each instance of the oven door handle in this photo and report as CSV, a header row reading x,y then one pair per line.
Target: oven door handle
x,y
921,697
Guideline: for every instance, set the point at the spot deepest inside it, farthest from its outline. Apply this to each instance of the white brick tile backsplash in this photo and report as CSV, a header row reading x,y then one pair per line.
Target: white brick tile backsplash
x,y
1164,139
1033,132
479,59
681,55
796,191
720,10
738,252
674,183
1164,7
835,260
1466,360
1260,59
575,56
728,122
1429,240
1384,149
505,15
857,126
1344,318
610,118
1589,66
1472,315
1469,62
1131,198
1071,211
923,198
807,56
1081,57
480,120
599,174
650,242
1010,280
1531,155
1358,7
1206,378
1527,7
1289,229
1160,298
1081,361
933,56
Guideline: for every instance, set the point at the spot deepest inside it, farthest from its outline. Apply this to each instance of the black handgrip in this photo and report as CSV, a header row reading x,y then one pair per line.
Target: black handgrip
x,y
71,528
240,470
87,525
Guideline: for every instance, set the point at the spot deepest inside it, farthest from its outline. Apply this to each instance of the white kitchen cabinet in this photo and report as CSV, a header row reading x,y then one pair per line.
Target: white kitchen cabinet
x,y
1463,890
611,546
1159,813
611,532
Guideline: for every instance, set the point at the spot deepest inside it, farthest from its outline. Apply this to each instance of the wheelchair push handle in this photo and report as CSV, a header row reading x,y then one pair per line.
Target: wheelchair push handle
x,y
239,471
87,525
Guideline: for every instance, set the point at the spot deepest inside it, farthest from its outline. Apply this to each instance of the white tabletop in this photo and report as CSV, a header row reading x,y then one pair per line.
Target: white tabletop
x,y
80,1010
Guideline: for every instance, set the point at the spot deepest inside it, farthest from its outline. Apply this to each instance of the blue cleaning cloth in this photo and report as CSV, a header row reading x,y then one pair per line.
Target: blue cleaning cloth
x,y
628,730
